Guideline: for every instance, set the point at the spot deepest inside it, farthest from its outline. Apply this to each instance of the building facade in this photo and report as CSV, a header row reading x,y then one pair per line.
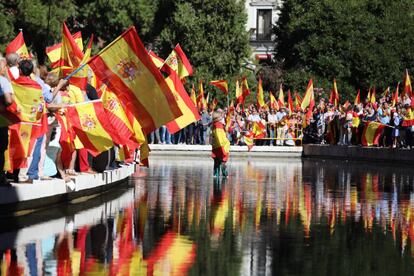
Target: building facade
x,y
262,16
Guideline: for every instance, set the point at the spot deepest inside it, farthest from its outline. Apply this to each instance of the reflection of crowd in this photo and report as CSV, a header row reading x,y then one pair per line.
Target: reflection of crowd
x,y
266,126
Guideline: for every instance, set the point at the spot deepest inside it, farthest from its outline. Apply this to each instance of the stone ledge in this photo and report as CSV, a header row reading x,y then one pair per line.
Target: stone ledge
x,y
359,153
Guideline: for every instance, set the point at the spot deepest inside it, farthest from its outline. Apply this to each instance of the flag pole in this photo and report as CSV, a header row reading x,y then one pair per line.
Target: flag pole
x,y
74,72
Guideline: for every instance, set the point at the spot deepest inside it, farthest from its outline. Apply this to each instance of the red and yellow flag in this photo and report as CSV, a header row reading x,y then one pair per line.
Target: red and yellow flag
x,y
127,69
259,130
67,134
18,46
260,95
80,79
298,101
21,141
214,104
221,145
408,118
193,95
54,52
91,125
273,102
245,88
358,98
178,62
221,84
117,116
395,95
407,84
239,93
188,109
158,62
201,101
373,96
309,98
281,98
290,102
334,98
29,99
249,139
372,133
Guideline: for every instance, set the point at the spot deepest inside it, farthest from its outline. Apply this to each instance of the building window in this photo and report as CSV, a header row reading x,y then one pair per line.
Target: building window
x,y
264,25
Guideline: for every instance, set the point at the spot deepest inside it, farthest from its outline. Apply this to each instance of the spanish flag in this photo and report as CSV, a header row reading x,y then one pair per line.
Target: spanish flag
x,y
178,62
408,118
18,46
357,98
245,88
201,101
298,100
221,84
334,98
239,93
158,62
67,135
21,141
54,52
395,95
281,98
290,102
273,102
259,130
221,145
71,55
117,116
127,69
373,96
214,104
92,126
260,94
80,79
193,95
407,84
371,134
189,111
249,140
308,100
29,99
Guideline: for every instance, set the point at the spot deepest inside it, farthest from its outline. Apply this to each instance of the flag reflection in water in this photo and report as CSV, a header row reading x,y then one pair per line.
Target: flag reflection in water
x,y
267,217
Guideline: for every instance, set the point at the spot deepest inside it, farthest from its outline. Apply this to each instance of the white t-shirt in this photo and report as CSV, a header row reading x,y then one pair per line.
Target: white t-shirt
x,y
5,86
272,118
253,118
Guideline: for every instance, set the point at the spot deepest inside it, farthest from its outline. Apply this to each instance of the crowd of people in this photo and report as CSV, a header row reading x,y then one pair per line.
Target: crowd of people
x,y
268,127
47,158
326,124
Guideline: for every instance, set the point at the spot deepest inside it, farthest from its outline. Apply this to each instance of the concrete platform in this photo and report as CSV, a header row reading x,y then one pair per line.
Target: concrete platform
x,y
357,153
42,193
235,151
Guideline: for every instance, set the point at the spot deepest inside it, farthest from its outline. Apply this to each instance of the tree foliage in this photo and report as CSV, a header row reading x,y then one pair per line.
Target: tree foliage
x,y
361,43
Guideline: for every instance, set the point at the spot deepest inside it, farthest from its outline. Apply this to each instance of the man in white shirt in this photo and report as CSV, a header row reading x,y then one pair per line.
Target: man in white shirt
x,y
12,62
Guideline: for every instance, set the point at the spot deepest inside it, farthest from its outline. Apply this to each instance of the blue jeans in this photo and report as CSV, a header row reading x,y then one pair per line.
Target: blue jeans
x,y
165,135
33,171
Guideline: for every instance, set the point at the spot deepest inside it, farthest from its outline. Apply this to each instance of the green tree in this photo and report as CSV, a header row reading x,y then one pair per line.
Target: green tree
x,y
212,34
40,27
362,43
